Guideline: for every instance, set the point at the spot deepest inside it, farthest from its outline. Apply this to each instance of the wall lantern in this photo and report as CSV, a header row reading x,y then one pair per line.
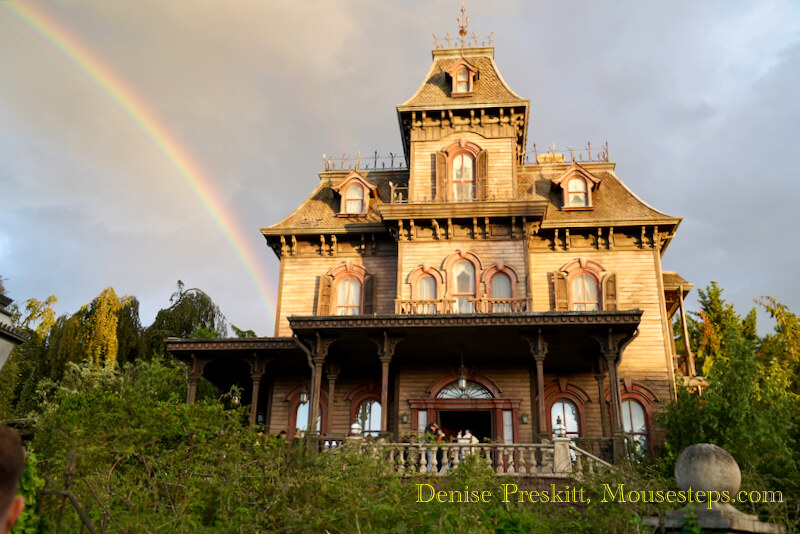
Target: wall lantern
x,y
462,377
524,419
303,395
404,418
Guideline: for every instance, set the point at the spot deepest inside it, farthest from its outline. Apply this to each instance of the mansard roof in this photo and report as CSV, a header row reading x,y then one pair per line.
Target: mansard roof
x,y
489,90
319,213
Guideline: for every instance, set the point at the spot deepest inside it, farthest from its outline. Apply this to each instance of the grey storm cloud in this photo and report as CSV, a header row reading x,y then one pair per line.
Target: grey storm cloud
x,y
697,101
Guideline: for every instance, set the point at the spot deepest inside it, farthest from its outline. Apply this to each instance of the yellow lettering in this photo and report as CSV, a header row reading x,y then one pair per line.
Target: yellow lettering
x,y
506,492
419,492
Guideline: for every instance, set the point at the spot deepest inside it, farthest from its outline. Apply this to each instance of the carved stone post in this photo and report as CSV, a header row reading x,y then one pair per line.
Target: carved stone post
x,y
317,360
386,347
539,351
257,368
193,377
332,374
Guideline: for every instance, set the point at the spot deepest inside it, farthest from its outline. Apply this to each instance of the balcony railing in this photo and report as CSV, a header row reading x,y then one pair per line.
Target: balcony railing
x,y
475,305
547,460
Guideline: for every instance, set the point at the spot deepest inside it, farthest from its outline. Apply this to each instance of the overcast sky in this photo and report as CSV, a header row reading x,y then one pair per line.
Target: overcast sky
x,y
699,101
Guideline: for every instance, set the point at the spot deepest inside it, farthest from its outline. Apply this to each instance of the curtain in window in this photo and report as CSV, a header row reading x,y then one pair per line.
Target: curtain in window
x,y
464,282
354,199
501,289
463,179
348,297
576,193
584,293
426,290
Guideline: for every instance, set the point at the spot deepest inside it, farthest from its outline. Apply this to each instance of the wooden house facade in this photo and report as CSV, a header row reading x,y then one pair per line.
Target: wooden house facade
x,y
467,282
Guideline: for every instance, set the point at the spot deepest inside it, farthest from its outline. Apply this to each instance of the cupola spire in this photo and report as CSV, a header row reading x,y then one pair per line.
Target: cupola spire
x,y
463,24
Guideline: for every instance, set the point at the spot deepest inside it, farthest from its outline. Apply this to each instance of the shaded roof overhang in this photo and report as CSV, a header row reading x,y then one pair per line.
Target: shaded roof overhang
x,y
443,210
260,346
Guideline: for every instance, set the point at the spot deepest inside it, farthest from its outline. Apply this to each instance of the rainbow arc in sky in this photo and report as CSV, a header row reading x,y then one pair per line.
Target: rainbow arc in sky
x,y
76,53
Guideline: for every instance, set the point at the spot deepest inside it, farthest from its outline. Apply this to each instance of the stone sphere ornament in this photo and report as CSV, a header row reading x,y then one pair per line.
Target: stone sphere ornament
x,y
707,467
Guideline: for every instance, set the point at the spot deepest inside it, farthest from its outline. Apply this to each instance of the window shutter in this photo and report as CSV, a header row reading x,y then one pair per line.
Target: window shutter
x,y
482,175
324,296
368,301
441,176
610,292
560,291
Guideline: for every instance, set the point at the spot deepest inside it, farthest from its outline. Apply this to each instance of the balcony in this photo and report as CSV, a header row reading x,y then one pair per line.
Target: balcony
x,y
452,305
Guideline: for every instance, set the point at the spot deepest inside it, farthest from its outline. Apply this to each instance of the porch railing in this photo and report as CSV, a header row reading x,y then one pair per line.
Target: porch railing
x,y
545,460
477,305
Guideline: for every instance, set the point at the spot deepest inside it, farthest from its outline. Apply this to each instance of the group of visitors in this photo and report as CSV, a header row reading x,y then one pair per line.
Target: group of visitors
x,y
433,433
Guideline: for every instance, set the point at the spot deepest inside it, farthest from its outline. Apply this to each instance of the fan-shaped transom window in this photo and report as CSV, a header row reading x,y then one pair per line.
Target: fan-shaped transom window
x,y
472,391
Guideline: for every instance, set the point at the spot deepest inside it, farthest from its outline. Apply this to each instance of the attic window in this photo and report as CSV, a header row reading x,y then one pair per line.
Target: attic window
x,y
462,74
354,200
577,193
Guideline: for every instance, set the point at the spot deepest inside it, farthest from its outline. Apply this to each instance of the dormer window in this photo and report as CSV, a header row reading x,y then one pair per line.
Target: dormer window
x,y
577,193
354,200
463,74
355,191
577,185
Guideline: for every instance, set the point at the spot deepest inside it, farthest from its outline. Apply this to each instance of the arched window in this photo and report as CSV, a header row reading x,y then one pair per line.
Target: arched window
x,y
301,418
577,193
566,412
463,177
462,81
348,297
472,391
369,417
426,290
634,423
463,285
584,293
501,289
354,199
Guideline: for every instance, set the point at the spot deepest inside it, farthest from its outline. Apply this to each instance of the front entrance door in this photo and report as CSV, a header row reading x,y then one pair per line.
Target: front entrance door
x,y
479,423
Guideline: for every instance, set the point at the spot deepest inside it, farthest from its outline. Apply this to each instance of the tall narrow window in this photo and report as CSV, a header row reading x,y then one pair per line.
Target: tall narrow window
x,y
584,293
462,81
501,289
577,194
369,417
635,424
463,177
464,285
348,297
426,290
354,199
301,418
565,412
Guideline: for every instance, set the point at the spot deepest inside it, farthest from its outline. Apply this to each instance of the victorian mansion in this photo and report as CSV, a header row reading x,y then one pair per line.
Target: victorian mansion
x,y
467,282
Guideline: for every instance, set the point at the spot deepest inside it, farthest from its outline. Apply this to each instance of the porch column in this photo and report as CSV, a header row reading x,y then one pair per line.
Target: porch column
x,y
193,377
332,374
611,346
689,356
601,395
386,347
257,368
539,351
317,360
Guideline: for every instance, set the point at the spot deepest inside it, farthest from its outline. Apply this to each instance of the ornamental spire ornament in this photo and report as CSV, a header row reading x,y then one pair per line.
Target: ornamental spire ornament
x,y
463,24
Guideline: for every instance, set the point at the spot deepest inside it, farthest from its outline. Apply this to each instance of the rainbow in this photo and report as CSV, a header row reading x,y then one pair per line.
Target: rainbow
x,y
157,132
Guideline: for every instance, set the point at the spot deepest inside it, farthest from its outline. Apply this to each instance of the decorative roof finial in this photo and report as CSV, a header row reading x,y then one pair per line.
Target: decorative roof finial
x,y
463,24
